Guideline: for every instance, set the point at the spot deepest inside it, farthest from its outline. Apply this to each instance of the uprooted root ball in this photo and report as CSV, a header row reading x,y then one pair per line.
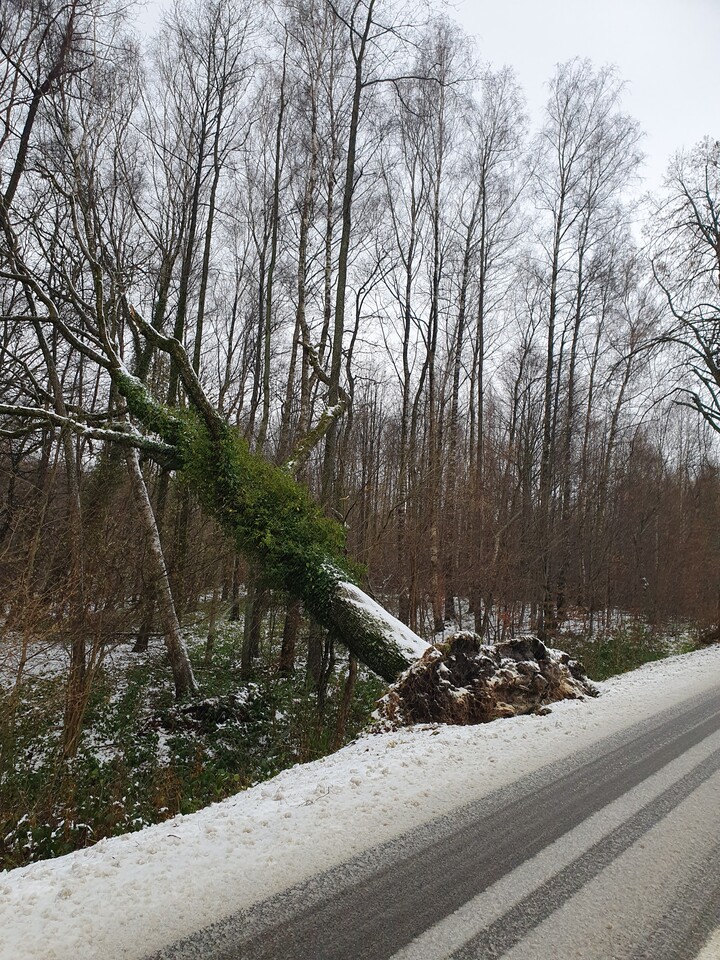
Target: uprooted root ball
x,y
464,681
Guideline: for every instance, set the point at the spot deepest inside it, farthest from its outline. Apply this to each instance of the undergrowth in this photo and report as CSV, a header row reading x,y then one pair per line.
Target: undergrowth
x,y
142,759
625,647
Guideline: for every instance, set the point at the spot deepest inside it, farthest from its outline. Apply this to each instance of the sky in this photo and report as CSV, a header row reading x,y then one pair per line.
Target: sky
x,y
667,52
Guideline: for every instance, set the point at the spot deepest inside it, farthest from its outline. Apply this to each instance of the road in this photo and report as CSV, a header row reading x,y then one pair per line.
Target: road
x,y
612,855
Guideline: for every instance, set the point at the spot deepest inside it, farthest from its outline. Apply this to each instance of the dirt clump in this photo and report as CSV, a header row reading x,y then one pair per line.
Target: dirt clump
x,y
464,681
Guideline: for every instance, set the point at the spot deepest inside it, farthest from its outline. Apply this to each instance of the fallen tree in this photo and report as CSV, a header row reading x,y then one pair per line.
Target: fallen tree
x,y
271,518
275,523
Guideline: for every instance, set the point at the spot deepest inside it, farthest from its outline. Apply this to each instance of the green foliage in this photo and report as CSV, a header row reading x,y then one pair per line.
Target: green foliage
x,y
623,648
271,518
140,760
168,424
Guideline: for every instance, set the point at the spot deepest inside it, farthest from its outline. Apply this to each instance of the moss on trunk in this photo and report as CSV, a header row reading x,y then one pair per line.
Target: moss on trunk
x,y
274,522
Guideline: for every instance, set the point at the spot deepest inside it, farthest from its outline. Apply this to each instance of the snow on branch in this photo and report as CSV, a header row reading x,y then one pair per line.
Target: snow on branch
x,y
330,414
41,418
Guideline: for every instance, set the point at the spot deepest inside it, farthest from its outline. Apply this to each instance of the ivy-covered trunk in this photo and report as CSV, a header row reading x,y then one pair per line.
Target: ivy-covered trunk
x,y
376,638
275,523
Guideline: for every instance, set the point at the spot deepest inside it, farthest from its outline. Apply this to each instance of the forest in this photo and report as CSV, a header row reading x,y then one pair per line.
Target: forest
x,y
294,296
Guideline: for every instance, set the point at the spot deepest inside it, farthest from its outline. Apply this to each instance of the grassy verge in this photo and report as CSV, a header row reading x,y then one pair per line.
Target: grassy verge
x,y
143,760
626,647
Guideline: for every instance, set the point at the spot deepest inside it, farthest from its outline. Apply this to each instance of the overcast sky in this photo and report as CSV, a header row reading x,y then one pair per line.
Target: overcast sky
x,y
668,51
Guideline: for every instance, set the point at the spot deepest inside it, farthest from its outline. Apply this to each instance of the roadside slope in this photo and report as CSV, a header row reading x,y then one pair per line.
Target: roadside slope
x,y
131,895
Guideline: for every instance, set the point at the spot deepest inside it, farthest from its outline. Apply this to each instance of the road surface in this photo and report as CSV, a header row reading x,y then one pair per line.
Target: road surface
x,y
611,855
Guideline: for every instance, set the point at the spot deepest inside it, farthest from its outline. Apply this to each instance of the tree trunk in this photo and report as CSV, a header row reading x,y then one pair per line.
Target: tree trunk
x,y
286,664
255,603
267,357
345,704
272,521
329,461
313,667
235,590
212,628
185,684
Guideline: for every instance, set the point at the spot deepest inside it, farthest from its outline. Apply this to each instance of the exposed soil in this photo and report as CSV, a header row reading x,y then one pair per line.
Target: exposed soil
x,y
464,681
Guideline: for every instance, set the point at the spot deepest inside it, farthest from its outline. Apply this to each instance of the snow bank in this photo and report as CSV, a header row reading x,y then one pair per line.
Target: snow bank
x,y
711,950
131,895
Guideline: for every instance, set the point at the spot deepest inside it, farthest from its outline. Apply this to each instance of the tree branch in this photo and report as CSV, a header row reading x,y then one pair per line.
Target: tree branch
x,y
125,437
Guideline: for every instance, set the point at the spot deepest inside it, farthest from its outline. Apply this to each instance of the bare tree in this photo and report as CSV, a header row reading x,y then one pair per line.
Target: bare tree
x,y
589,150
686,265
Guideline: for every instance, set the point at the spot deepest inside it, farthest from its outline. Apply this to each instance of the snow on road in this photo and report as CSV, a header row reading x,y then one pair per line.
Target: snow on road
x,y
131,895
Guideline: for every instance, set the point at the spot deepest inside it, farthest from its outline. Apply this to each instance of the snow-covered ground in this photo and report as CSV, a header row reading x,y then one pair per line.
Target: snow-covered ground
x,y
711,950
131,895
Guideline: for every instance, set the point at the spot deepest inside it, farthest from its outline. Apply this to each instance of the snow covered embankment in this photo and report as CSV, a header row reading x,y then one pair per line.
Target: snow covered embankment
x,y
131,895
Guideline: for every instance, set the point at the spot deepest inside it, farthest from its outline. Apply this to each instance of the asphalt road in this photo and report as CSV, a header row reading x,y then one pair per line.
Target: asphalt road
x,y
613,855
